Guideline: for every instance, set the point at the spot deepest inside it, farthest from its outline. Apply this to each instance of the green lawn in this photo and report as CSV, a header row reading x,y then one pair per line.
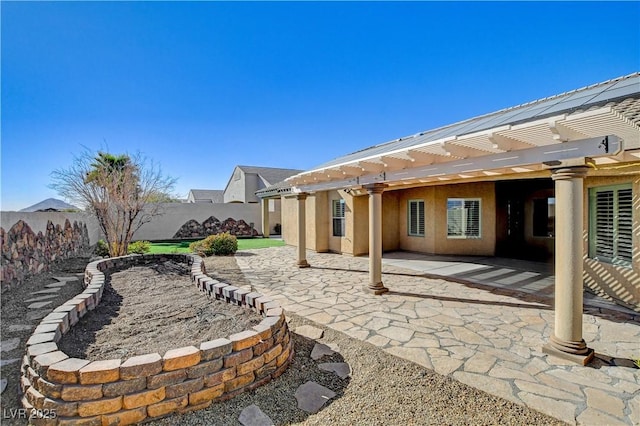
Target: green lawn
x,y
243,244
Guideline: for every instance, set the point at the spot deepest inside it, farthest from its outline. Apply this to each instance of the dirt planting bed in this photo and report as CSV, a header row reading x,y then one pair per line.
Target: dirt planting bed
x,y
147,309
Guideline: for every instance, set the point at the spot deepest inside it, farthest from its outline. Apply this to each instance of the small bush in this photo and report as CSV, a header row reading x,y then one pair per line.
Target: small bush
x,y
277,229
197,247
102,249
218,245
140,247
224,244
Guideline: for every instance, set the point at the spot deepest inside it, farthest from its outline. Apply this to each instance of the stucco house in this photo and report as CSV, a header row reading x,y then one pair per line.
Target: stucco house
x,y
555,179
246,180
241,189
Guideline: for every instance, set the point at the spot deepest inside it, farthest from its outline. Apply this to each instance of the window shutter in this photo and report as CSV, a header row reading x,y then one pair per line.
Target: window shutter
x,y
338,211
625,225
472,211
604,224
454,219
463,218
338,208
416,217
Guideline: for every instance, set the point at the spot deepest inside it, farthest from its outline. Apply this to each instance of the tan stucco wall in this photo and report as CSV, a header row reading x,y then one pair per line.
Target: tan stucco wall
x,y
317,222
424,244
435,239
618,282
390,223
276,215
394,204
360,219
321,221
340,244
486,244
289,220
311,222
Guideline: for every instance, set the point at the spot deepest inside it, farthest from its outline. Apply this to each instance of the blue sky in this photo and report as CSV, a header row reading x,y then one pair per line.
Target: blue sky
x,y
203,86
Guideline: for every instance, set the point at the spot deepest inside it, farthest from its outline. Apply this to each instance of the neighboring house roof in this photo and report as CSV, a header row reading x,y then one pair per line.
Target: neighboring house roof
x,y
622,95
208,195
50,204
270,175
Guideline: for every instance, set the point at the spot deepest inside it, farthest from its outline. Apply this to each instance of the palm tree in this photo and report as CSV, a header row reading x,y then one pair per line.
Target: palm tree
x,y
117,189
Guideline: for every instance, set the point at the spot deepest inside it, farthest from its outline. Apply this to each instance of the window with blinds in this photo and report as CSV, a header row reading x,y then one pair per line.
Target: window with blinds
x,y
415,219
463,218
611,224
337,207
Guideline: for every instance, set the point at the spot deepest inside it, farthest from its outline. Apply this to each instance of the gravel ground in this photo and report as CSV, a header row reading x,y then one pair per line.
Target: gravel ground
x,y
14,312
382,389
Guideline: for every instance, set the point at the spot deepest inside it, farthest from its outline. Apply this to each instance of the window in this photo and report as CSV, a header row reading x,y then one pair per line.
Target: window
x,y
463,218
544,217
610,224
338,218
415,221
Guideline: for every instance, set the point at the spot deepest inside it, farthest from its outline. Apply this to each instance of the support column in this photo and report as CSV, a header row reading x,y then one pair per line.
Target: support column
x,y
265,217
566,341
302,231
375,285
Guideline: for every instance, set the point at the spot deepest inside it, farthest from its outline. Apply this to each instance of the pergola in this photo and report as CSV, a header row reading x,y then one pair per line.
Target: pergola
x,y
590,131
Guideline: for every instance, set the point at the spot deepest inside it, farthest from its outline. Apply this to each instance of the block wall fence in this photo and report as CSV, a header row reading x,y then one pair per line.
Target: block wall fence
x,y
72,391
26,252
32,241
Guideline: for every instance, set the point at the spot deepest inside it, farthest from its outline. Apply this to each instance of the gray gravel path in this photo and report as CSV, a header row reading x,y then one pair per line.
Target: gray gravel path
x,y
382,389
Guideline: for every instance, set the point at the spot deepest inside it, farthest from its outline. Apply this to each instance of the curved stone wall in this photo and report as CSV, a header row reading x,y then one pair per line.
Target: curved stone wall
x,y
72,391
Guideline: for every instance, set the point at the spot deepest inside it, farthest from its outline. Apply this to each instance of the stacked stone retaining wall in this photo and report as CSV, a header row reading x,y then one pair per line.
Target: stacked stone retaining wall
x,y
69,391
25,253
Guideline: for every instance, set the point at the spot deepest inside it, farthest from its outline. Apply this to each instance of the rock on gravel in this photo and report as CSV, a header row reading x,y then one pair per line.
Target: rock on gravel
x,y
382,389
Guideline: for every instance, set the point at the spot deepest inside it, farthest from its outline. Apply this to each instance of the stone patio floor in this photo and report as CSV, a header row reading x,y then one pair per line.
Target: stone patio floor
x,y
486,332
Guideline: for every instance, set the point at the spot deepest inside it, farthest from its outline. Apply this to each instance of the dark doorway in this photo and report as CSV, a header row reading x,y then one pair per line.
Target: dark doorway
x,y
525,219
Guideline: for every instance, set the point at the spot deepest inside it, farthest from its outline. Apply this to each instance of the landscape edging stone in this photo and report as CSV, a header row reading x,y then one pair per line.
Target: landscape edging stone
x,y
260,355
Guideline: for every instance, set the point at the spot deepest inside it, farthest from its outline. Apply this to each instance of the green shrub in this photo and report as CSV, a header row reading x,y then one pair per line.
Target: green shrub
x,y
139,247
218,245
277,229
224,244
102,248
197,247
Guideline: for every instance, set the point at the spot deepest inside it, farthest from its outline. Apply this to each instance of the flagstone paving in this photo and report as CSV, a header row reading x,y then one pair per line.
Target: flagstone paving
x,y
488,337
